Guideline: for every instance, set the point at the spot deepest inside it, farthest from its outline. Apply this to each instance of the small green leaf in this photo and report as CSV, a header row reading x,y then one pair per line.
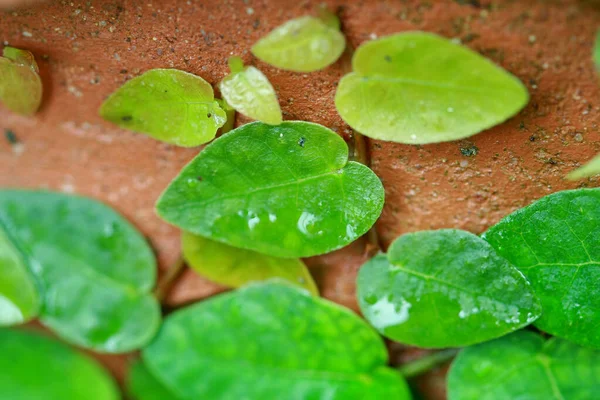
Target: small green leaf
x,y
590,169
249,91
555,242
170,105
445,288
20,83
94,270
19,300
304,44
36,367
142,385
420,88
235,267
524,366
285,190
271,341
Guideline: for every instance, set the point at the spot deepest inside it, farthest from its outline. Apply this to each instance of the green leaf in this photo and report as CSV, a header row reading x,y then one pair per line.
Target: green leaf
x,y
235,267
524,366
19,300
445,288
271,341
304,44
420,88
590,169
249,91
142,385
20,83
555,242
285,191
170,105
95,270
36,367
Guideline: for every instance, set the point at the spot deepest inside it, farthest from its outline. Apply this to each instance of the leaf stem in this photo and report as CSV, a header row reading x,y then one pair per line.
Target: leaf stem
x,y
426,363
166,282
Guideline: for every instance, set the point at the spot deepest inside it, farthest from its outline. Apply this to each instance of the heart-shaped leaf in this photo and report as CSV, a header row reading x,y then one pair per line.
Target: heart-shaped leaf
x,y
20,83
19,300
94,269
285,190
249,91
170,105
142,385
418,87
301,347
555,242
304,44
445,288
590,169
236,267
36,367
525,366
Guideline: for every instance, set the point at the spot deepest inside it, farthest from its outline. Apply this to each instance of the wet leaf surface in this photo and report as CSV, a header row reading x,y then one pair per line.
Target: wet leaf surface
x,y
170,105
36,367
249,91
301,347
304,44
445,288
20,83
555,242
236,267
285,191
94,270
418,87
525,366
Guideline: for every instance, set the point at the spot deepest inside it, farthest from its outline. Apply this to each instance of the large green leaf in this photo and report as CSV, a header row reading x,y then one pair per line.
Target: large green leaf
x,y
418,87
19,301
142,385
524,366
249,91
20,83
170,105
445,288
285,191
303,44
94,269
555,242
271,341
590,169
35,367
235,267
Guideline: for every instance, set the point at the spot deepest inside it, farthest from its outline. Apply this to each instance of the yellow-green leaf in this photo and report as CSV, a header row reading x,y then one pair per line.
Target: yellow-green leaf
x,y
235,267
170,105
304,44
249,91
20,83
590,169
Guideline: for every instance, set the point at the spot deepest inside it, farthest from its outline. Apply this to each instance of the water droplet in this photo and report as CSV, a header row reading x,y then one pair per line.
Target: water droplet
x,y
253,220
191,182
413,137
384,313
306,222
450,109
272,217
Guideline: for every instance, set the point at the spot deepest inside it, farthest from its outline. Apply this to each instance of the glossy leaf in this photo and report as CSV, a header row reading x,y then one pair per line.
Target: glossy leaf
x,y
95,271
20,83
525,366
303,44
235,267
19,300
590,169
445,288
249,91
170,105
418,87
34,367
555,242
142,385
271,341
285,191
